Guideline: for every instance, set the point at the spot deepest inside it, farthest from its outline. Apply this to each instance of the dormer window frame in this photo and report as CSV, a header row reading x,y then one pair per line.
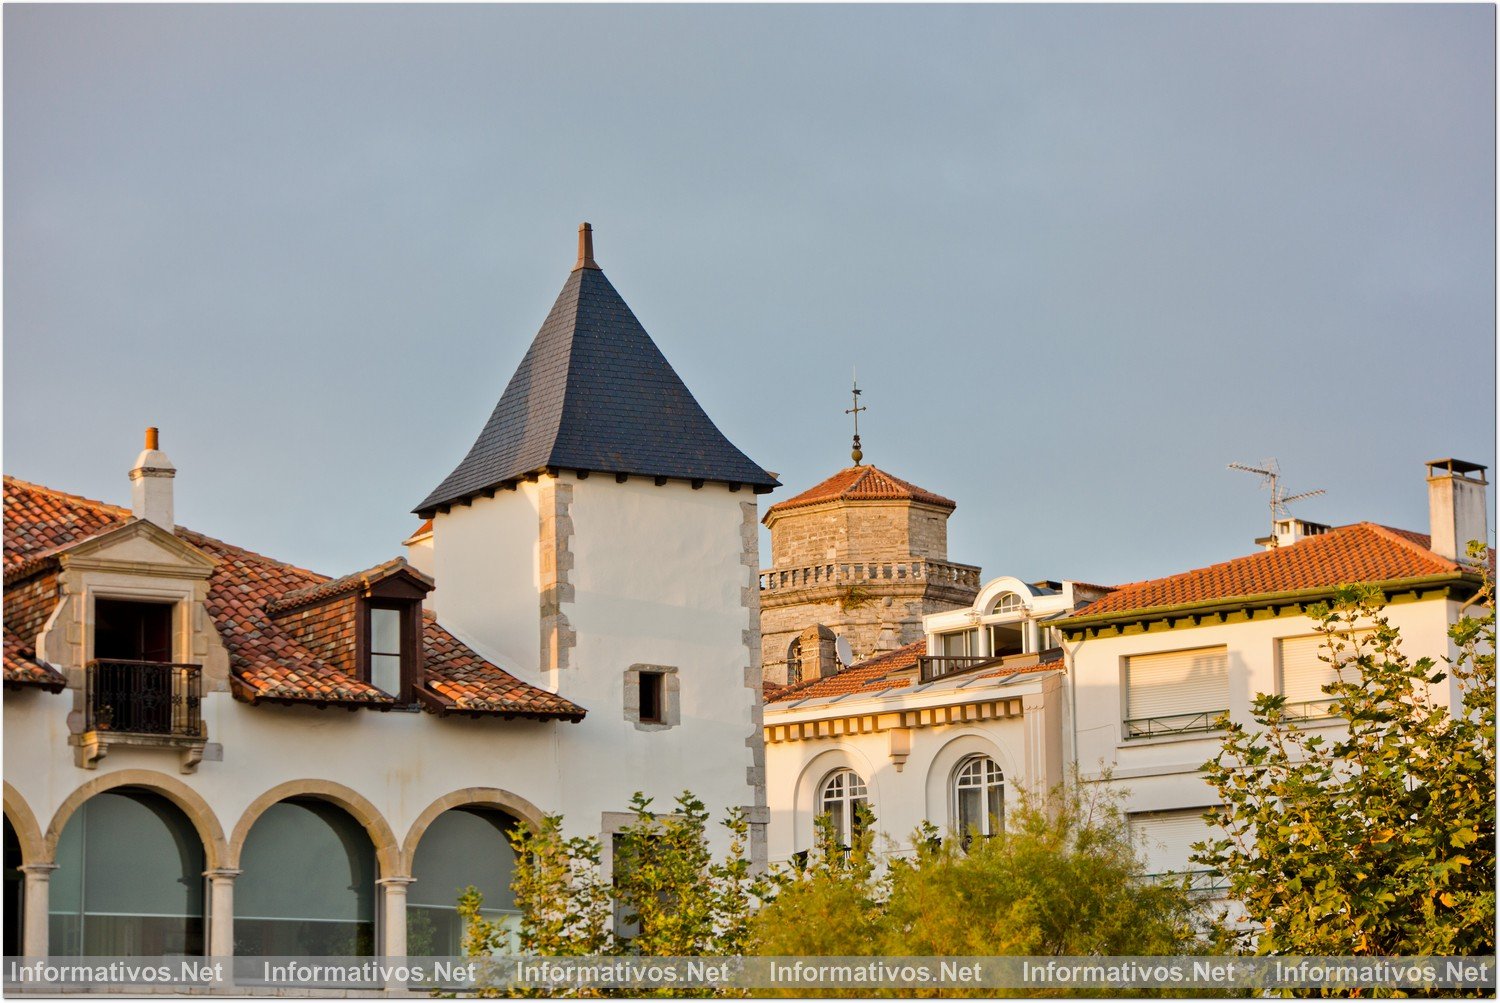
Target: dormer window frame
x,y
405,597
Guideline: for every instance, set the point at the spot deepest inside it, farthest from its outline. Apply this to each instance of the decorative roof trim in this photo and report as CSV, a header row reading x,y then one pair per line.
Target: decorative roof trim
x,y
1082,620
435,703
357,582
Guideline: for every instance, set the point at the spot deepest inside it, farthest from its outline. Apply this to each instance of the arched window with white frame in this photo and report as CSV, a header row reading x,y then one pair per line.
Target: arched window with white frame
x,y
842,793
978,798
1009,602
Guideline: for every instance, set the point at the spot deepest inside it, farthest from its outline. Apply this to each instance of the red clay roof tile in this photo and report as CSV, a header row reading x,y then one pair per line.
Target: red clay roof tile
x,y
862,483
893,670
1362,552
267,661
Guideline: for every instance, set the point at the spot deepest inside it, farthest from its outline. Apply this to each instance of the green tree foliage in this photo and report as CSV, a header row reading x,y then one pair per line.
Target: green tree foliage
x,y
669,896
1379,841
1062,879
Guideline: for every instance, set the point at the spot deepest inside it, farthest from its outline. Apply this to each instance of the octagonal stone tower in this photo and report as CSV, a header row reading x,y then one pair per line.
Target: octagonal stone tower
x,y
863,555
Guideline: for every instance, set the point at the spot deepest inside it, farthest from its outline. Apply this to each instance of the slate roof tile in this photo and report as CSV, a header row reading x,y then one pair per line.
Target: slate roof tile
x,y
593,392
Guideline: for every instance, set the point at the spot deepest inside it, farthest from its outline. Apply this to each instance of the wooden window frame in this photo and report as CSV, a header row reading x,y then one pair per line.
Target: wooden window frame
x,y
406,599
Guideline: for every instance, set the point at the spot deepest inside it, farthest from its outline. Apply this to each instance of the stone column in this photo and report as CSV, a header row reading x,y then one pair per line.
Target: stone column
x,y
35,909
394,936
1033,641
221,911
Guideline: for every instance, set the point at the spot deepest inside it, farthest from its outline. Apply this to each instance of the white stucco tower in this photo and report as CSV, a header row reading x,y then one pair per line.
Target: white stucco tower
x,y
599,540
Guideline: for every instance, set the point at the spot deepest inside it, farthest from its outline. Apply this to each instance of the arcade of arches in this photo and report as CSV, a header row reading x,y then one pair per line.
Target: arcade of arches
x,y
131,875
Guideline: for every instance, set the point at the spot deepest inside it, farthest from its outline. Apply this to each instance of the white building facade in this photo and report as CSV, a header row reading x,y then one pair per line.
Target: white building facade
x,y
1152,665
208,751
946,731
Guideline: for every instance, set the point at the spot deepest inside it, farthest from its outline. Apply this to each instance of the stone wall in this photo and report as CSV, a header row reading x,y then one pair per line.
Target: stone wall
x,y
863,531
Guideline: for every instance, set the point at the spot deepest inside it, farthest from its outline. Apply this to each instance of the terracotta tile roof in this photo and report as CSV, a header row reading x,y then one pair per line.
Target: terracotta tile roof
x,y
894,670
862,483
1362,552
27,607
1052,659
871,674
40,520
269,660
23,669
463,682
348,584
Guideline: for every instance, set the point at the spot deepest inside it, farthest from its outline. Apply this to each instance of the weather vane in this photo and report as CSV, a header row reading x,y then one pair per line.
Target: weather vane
x,y
858,453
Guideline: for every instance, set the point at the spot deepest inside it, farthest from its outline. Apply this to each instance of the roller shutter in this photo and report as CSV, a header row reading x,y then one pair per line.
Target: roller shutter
x,y
1166,838
1176,684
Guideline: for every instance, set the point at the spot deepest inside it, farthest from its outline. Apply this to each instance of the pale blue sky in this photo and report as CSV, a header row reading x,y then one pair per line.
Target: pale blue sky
x,y
1083,256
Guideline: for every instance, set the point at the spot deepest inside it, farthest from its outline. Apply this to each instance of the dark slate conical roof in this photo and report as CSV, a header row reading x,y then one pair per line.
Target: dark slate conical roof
x,y
595,393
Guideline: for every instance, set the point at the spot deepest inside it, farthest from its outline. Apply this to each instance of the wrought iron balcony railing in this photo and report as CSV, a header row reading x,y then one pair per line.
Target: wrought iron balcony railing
x,y
144,698
1172,724
1204,883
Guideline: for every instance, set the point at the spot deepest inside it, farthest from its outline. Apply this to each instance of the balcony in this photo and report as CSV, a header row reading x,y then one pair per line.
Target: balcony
x,y
142,704
1173,724
1199,883
871,573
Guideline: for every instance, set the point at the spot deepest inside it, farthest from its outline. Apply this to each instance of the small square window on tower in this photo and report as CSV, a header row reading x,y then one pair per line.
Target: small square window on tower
x,y
651,702
651,697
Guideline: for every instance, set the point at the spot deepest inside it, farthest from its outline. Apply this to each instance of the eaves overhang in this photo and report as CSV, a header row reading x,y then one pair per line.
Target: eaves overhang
x,y
1075,625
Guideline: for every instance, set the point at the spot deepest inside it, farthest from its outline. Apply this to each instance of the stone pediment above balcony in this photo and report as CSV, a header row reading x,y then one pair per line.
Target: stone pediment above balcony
x,y
136,547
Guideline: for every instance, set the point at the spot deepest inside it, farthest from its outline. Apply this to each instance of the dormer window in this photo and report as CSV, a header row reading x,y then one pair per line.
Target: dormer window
x,y
385,649
388,654
364,628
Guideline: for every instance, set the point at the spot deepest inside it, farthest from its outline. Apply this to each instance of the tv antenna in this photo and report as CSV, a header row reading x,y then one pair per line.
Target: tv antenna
x,y
1269,472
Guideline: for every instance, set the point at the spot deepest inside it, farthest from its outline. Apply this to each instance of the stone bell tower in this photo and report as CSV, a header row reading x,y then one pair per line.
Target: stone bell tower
x,y
861,556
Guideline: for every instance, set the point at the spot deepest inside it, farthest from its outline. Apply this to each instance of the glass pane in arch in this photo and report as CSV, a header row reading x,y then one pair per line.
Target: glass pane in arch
x,y
979,797
843,791
129,879
307,884
462,847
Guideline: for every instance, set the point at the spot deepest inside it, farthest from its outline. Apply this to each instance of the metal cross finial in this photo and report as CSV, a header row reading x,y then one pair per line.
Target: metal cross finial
x,y
857,453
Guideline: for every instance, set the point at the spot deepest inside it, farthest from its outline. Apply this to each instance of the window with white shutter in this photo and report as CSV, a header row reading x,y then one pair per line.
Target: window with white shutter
x,y
1166,838
1175,692
1304,672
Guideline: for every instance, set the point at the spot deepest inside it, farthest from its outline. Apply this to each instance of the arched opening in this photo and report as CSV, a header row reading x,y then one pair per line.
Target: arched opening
x,y
307,883
1009,602
978,798
794,661
842,794
463,846
14,889
129,879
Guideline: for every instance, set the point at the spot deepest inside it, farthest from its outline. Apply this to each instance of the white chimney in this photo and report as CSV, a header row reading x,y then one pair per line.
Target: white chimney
x,y
151,484
1289,530
1456,506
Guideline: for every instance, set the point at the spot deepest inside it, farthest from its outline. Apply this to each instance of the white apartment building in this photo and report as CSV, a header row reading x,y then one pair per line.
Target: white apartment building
x,y
1152,664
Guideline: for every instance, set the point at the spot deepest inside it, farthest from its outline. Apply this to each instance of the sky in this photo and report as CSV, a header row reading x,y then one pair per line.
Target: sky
x,y
1082,257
